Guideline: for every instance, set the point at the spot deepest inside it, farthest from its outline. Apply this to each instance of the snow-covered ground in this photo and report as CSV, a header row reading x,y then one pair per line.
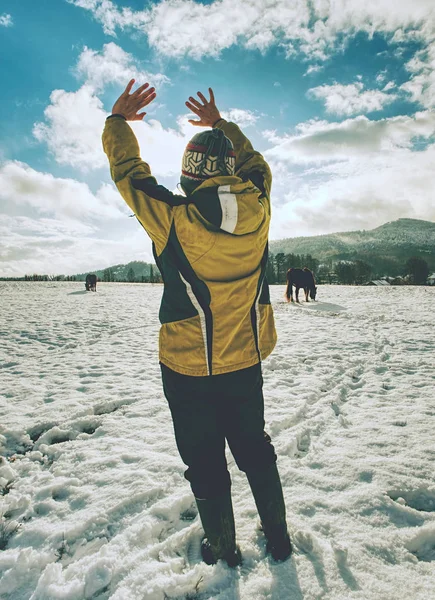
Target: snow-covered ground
x,y
94,502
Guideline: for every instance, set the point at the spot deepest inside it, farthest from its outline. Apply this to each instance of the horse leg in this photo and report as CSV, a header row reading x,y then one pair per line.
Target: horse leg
x,y
297,294
306,294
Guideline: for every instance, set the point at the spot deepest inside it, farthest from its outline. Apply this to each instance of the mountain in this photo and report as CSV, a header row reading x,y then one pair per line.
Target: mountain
x,y
386,248
120,272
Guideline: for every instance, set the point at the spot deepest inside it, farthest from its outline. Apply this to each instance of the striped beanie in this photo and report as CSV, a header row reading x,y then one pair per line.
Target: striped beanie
x,y
208,154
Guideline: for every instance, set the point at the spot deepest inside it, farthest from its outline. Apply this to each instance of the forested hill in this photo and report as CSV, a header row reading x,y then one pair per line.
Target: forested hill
x,y
121,272
387,247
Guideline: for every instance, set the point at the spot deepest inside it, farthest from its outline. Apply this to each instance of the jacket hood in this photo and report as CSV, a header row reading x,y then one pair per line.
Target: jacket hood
x,y
231,205
226,202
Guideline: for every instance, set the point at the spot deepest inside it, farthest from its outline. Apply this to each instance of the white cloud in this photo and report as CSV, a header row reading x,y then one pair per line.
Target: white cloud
x,y
345,176
243,118
361,193
74,122
163,148
319,141
350,99
381,77
50,246
73,127
54,225
6,20
314,27
112,65
313,69
110,16
65,199
185,27
421,86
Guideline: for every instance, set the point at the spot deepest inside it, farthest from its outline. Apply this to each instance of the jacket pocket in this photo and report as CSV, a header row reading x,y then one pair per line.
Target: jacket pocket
x,y
183,346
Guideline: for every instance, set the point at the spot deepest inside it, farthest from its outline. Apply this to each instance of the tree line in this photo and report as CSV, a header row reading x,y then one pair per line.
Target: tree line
x,y
358,272
131,277
107,275
38,277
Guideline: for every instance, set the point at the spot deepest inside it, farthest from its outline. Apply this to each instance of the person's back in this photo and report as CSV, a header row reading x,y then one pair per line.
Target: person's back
x,y
212,254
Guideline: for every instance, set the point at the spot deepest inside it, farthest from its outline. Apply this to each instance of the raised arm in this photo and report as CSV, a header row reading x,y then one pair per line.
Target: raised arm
x,y
128,170
250,164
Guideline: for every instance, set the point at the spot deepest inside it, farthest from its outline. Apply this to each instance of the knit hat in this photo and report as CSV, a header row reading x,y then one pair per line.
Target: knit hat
x,y
208,154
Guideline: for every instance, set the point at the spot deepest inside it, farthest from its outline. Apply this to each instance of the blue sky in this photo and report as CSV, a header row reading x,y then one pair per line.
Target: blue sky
x,y
340,102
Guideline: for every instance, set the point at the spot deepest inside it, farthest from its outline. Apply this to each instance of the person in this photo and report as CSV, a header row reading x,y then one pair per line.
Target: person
x,y
217,323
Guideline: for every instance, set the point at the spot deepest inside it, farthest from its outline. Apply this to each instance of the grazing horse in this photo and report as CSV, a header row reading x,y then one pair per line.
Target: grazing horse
x,y
300,278
91,283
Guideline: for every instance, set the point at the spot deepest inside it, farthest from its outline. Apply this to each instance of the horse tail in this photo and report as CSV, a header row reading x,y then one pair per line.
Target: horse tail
x,y
289,291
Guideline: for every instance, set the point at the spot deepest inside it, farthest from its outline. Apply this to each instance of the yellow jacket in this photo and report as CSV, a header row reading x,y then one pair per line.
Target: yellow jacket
x,y
215,312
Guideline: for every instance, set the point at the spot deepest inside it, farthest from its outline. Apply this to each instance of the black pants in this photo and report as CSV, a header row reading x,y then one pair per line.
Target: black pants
x,y
206,411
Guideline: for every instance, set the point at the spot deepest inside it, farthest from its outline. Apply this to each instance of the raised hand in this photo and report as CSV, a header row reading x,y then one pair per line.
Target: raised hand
x,y
207,112
128,105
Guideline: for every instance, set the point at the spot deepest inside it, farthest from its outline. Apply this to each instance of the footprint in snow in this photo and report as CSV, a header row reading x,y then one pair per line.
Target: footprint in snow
x,y
59,434
189,514
305,541
37,431
105,408
388,386
357,383
366,476
422,499
343,394
303,444
193,549
336,409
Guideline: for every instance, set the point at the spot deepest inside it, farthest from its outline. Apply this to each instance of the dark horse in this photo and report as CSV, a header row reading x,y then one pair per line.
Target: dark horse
x,y
91,283
300,278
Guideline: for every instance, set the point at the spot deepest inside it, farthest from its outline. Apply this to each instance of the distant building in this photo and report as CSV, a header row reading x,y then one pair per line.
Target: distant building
x,y
397,280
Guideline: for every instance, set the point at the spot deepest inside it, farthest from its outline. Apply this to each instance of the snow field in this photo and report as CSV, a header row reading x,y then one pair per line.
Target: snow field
x,y
94,504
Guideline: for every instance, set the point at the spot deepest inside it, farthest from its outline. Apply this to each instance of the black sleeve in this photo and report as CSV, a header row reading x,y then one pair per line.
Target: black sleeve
x,y
257,179
158,192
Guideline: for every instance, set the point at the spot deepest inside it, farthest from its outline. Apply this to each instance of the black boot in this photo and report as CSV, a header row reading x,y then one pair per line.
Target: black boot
x,y
267,491
217,519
